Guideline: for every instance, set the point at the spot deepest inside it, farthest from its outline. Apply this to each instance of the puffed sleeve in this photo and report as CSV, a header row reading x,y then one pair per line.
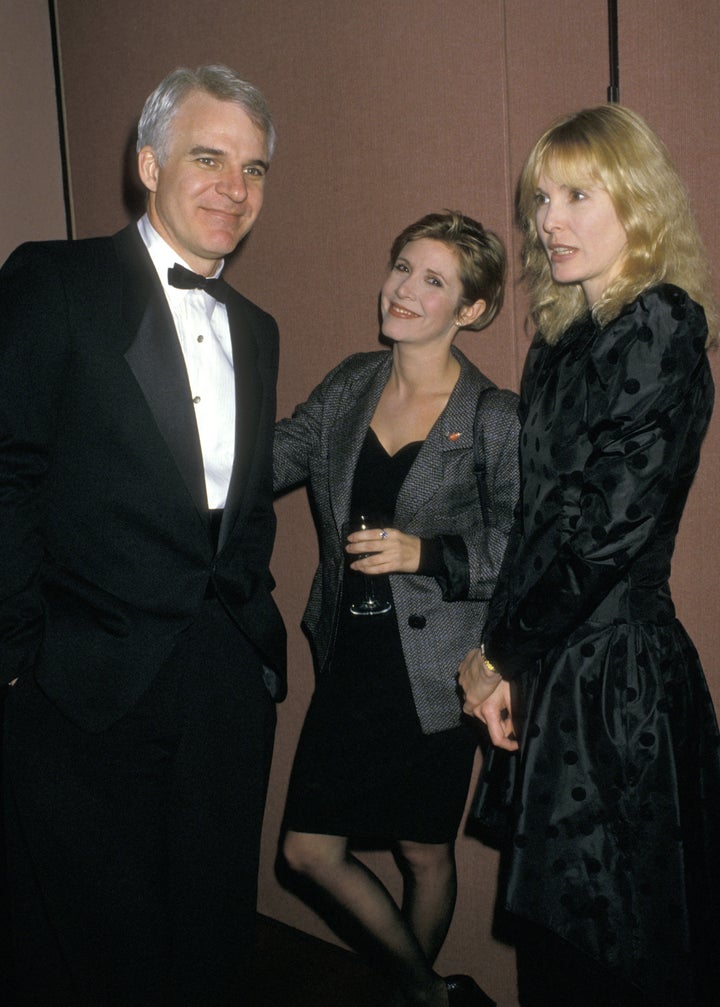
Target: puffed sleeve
x,y
649,400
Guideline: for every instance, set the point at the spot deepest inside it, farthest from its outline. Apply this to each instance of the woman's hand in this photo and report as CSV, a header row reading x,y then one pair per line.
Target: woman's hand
x,y
478,680
487,697
385,550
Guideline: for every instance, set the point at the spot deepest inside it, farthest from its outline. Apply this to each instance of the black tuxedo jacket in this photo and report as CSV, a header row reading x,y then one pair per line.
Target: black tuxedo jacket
x,y
105,545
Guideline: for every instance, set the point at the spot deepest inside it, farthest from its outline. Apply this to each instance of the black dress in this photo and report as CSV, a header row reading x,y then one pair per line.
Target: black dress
x,y
363,767
617,848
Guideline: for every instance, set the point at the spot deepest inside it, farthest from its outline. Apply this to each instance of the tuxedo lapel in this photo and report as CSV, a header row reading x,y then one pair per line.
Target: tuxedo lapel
x,y
249,392
155,358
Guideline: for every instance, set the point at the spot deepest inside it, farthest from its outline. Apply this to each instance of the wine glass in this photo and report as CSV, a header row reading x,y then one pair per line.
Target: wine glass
x,y
368,594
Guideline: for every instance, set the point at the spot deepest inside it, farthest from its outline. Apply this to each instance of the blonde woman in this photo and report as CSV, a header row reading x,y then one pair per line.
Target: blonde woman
x,y
613,874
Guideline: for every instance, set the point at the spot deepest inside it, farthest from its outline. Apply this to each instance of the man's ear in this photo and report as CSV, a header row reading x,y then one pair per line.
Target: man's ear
x,y
148,168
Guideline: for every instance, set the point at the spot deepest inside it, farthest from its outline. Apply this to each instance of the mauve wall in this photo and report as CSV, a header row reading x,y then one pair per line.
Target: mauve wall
x,y
385,112
31,205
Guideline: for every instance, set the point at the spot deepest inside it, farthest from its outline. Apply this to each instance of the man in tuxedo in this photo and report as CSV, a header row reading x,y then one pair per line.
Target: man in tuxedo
x,y
137,402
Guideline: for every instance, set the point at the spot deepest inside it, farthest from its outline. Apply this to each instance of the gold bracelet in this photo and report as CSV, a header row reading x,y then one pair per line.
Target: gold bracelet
x,y
488,664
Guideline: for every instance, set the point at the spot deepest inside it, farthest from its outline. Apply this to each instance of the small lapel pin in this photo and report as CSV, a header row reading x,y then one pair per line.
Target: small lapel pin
x,y
454,437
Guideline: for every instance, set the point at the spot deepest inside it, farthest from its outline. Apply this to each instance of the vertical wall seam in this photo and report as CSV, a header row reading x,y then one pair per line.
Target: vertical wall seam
x,y
61,120
613,91
513,273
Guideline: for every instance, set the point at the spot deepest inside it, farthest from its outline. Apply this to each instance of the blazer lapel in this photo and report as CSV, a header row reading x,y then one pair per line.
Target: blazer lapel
x,y
155,358
346,439
452,432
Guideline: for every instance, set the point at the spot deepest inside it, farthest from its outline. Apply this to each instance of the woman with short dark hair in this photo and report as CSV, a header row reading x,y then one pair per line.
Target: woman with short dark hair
x,y
384,753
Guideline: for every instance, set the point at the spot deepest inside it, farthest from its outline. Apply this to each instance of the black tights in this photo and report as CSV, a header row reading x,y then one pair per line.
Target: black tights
x,y
403,943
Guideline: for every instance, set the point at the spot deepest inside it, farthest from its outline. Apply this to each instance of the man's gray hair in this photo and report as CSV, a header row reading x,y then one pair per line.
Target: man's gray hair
x,y
220,82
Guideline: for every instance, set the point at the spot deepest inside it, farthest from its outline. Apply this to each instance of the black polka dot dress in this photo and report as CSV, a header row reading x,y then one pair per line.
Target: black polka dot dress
x,y
617,841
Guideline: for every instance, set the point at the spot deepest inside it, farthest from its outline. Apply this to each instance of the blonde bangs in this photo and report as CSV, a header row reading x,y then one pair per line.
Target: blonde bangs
x,y
613,148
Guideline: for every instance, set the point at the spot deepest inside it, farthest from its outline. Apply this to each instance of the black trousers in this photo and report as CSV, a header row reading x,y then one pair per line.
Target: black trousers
x,y
133,853
6,968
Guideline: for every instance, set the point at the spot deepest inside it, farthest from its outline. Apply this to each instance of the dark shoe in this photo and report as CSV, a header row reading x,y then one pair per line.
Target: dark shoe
x,y
465,992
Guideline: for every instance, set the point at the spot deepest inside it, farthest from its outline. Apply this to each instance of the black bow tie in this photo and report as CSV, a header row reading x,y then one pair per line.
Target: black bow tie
x,y
185,279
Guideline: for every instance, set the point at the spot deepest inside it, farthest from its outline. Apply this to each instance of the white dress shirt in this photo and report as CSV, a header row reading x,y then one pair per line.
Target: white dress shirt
x,y
203,330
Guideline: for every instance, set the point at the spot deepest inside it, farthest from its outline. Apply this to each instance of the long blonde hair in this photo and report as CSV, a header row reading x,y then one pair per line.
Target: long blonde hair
x,y
614,148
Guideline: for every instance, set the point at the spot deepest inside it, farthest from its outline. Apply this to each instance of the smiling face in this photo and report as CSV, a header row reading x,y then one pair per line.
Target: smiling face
x,y
581,233
421,300
206,195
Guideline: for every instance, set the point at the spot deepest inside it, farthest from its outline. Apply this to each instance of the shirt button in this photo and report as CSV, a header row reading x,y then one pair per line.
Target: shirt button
x,y
200,339
196,399
417,622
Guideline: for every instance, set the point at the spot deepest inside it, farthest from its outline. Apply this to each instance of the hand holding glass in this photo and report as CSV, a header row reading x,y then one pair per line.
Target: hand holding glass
x,y
369,595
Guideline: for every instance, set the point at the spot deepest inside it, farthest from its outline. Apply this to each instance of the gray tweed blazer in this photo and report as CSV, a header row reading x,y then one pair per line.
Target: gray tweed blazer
x,y
320,446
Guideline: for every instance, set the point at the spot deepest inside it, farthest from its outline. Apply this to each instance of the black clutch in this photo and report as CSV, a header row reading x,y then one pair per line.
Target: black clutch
x,y
491,813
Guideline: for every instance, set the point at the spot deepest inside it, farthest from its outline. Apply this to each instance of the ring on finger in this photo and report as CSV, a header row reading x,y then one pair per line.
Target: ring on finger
x,y
383,533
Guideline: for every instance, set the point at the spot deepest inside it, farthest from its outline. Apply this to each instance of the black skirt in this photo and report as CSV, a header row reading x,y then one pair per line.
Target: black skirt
x,y
363,767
